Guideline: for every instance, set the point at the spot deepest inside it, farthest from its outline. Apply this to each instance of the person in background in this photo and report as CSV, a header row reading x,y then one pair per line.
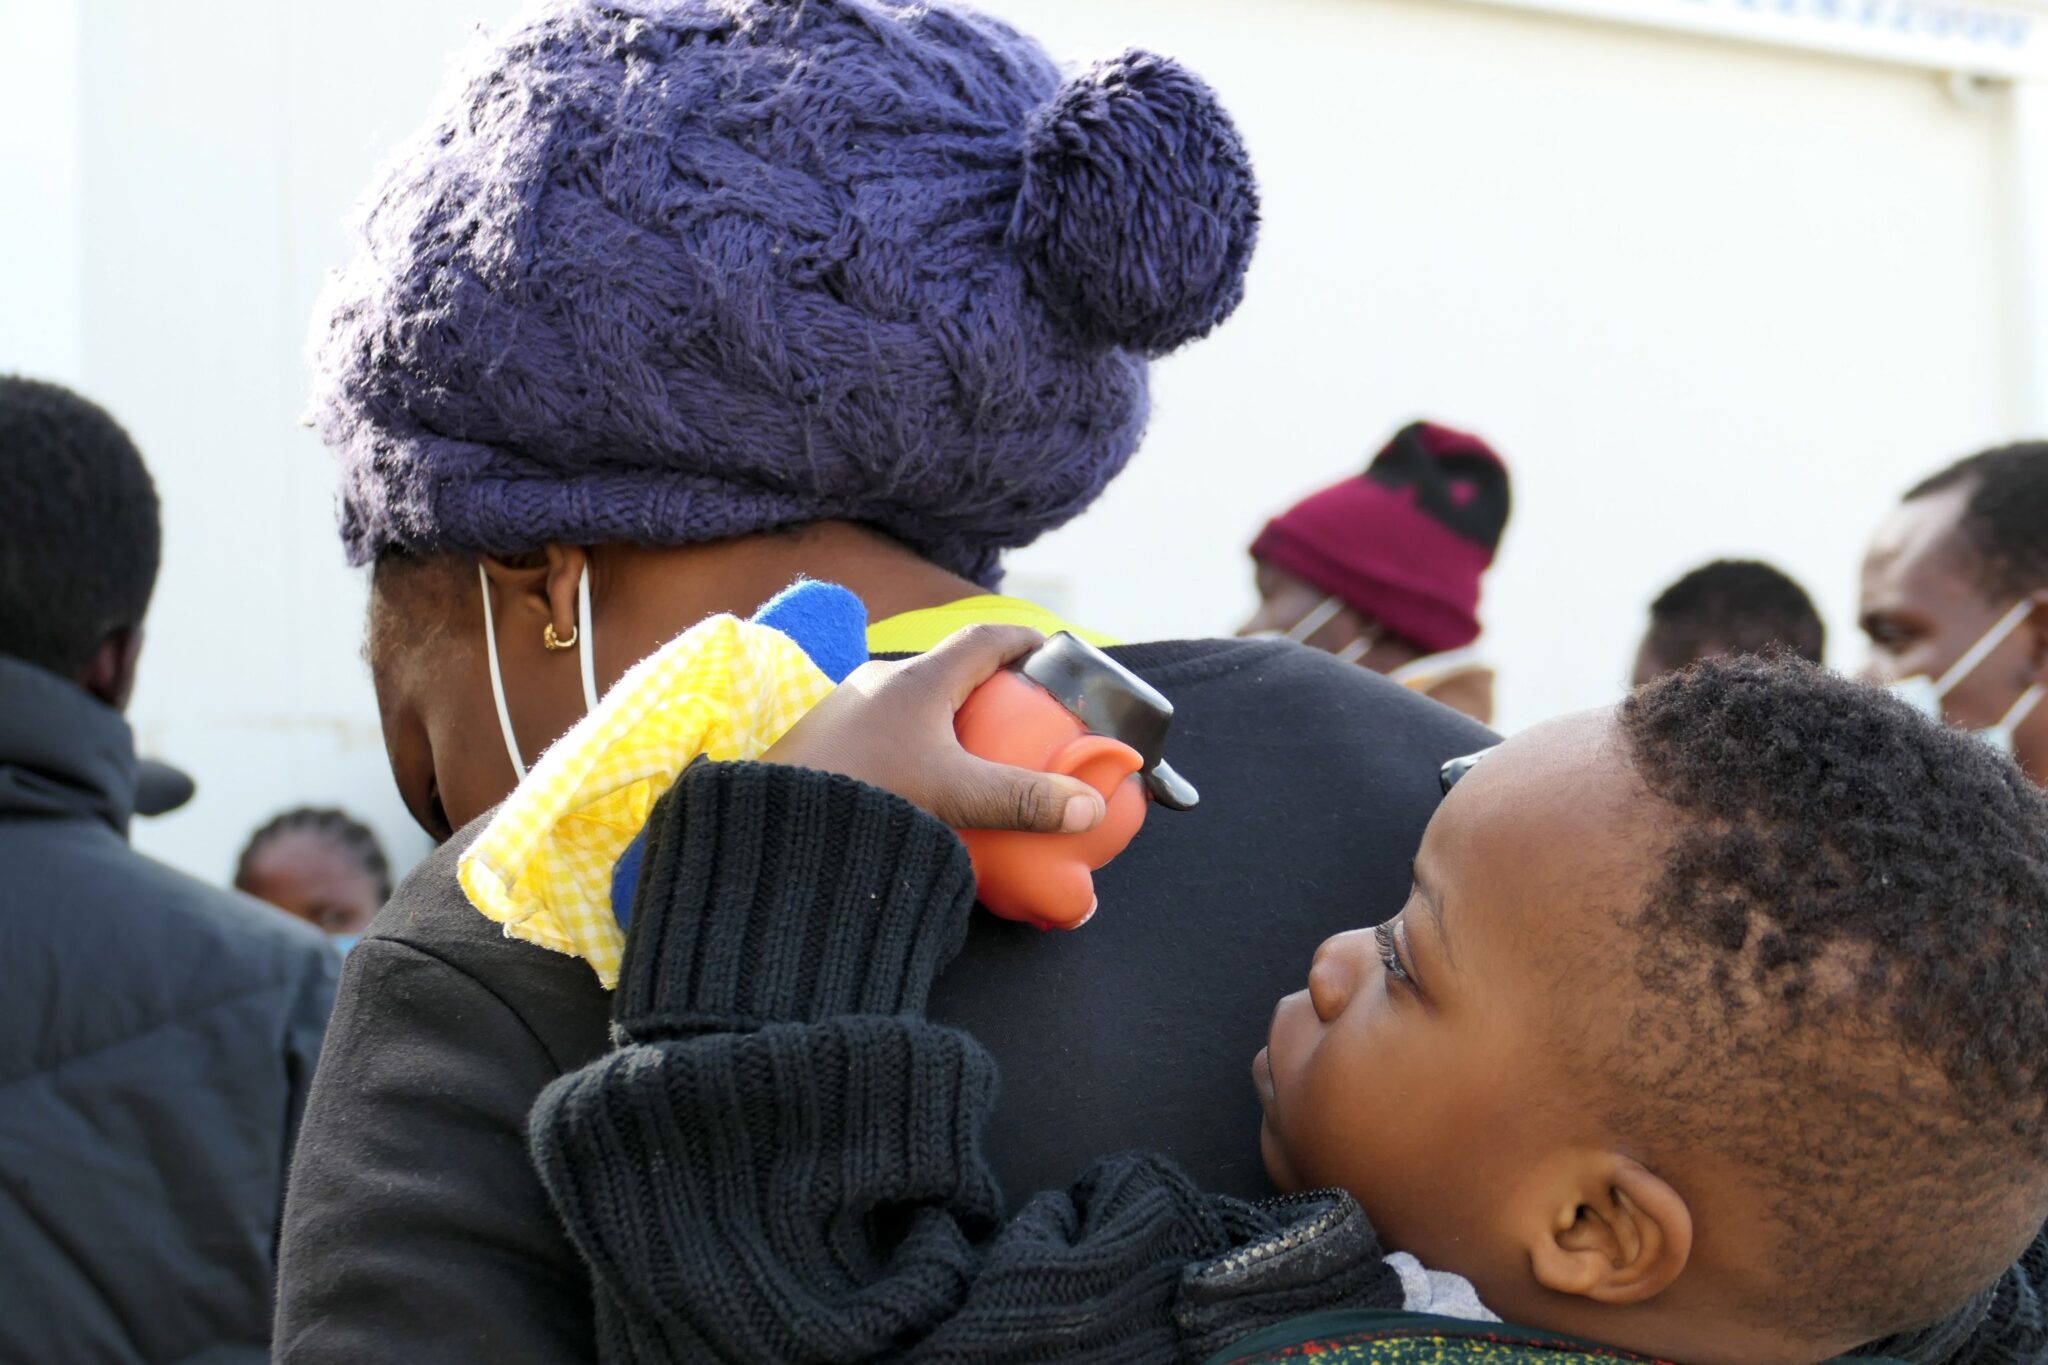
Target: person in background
x,y
1728,607
321,866
157,1035
1955,599
669,305
1384,569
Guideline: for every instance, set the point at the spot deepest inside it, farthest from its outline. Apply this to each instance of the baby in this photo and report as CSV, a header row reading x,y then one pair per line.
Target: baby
x,y
1711,1031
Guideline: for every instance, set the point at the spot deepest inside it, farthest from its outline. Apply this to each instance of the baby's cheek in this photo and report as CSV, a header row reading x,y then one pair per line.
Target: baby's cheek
x,y
1313,1135
1279,1169
1349,1109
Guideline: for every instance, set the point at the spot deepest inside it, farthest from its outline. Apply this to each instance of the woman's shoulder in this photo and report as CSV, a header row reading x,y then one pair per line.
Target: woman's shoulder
x,y
429,910
558,996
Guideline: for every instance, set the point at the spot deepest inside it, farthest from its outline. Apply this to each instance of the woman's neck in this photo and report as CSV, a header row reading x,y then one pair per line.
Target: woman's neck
x,y
647,595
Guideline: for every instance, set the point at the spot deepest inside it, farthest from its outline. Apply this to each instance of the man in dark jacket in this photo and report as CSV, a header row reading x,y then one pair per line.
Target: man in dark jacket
x,y
157,1036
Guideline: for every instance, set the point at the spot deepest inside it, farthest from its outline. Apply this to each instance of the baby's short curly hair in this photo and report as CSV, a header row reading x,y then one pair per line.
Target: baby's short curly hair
x,y
1846,956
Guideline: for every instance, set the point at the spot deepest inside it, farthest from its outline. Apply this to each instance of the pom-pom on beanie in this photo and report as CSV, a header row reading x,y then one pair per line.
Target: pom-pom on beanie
x,y
667,271
1406,542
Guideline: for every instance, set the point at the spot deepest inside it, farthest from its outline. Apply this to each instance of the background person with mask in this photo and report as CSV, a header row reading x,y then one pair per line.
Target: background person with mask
x,y
157,1035
1955,599
1384,569
321,866
639,333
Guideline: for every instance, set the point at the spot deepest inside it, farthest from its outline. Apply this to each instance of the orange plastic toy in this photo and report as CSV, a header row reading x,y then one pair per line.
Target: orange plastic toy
x,y
1067,708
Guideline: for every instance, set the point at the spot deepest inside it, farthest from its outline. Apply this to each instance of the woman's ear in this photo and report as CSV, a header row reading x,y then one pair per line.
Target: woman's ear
x,y
565,567
1616,1233
533,592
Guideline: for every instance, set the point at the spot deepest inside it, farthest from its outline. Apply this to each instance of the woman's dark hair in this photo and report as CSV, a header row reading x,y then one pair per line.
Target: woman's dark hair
x,y
351,835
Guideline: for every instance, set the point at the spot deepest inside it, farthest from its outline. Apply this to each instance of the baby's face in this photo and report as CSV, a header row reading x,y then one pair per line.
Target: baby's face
x,y
1433,1063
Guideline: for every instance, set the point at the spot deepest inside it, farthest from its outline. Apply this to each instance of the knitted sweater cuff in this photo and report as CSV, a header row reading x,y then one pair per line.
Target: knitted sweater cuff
x,y
772,893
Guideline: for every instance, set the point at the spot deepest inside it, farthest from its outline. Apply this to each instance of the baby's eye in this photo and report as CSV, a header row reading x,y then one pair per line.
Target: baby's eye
x,y
1390,953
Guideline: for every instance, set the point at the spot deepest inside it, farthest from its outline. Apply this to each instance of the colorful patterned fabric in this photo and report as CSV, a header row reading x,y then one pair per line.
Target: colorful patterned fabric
x,y
725,689
1362,1337
1379,1338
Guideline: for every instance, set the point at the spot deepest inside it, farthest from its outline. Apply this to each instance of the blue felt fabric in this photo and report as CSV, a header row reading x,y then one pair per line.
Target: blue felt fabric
x,y
828,621
830,624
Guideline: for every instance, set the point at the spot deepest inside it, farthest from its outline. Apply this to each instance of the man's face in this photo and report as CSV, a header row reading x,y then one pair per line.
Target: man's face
x,y
1286,601
1433,1063
1923,608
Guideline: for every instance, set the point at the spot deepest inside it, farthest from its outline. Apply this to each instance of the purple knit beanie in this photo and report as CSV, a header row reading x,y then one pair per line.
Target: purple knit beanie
x,y
665,271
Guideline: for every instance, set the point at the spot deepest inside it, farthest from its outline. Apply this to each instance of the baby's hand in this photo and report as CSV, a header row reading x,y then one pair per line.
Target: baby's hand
x,y
890,725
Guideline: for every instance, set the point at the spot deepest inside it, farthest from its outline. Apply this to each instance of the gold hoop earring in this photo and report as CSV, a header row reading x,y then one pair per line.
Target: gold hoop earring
x,y
554,641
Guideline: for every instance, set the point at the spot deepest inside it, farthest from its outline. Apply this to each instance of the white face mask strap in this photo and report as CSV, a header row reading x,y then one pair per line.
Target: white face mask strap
x,y
1977,653
1317,617
2021,709
498,679
1434,665
586,655
1358,648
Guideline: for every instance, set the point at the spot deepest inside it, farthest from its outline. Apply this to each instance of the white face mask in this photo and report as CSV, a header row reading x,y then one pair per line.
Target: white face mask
x,y
1925,694
585,657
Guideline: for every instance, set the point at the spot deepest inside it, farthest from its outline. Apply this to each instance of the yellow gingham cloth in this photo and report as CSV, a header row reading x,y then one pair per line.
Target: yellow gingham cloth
x,y
726,688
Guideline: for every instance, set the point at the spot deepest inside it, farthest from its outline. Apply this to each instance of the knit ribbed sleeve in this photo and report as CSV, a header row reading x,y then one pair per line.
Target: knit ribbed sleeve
x,y
724,1190
772,893
782,1161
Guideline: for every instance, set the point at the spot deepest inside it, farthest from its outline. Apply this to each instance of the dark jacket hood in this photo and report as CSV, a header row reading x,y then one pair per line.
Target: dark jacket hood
x,y
63,752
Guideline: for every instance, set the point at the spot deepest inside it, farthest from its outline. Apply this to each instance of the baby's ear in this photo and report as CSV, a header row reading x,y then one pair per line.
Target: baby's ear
x,y
1615,1232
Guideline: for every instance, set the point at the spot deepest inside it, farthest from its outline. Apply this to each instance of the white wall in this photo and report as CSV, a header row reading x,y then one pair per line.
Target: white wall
x,y
215,163
41,247
1707,299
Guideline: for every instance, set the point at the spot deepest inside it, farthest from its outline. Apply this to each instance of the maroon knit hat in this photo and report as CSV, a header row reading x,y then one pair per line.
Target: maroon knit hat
x,y
1404,543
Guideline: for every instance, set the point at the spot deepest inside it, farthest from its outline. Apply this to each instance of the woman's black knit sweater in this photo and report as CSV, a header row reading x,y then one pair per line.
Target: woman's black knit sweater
x,y
782,1159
